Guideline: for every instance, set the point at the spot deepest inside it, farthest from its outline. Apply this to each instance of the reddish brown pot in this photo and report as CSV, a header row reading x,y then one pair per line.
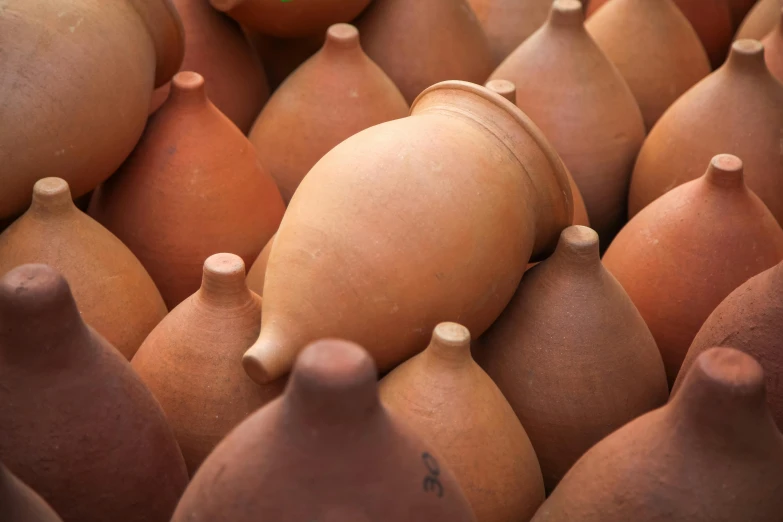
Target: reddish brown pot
x,y
749,319
590,362
406,224
760,20
115,295
684,253
582,104
281,56
717,428
773,54
192,361
448,400
737,109
332,96
217,49
290,19
78,97
257,273
344,456
79,426
19,503
655,49
194,186
421,43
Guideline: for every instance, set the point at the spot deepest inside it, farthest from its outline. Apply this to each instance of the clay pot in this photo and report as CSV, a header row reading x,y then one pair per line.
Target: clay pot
x,y
115,295
584,107
19,503
192,361
421,43
760,20
79,427
590,362
290,19
281,56
739,10
773,55
749,319
217,49
332,96
344,456
449,401
737,109
655,49
257,273
684,253
84,72
194,186
406,224
717,428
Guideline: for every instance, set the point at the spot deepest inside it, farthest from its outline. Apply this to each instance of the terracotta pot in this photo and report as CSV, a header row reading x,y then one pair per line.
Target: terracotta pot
x,y
760,20
79,427
332,96
289,19
737,109
192,361
717,428
406,224
773,55
655,49
345,457
194,186
590,362
217,49
281,56
582,104
115,295
257,272
684,253
84,72
448,400
749,319
421,43
19,503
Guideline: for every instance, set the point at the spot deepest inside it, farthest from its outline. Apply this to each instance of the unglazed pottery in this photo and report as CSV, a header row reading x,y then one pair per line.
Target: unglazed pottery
x,y
655,49
584,107
192,361
773,51
327,450
217,49
684,253
194,186
572,354
257,273
421,43
114,293
79,427
19,503
78,79
739,110
749,319
290,18
407,224
713,454
447,399
332,96
760,20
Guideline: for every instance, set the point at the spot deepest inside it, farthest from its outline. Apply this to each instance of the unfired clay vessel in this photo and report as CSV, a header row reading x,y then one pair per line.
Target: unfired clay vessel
x,y
79,78
583,105
114,293
447,399
332,96
713,454
217,49
655,49
684,253
79,427
760,20
192,361
406,224
194,186
421,43
19,503
572,354
749,319
257,273
773,51
326,450
739,110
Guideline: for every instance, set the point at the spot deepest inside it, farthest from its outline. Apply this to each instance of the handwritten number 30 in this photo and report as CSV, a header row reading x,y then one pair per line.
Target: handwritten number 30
x,y
431,482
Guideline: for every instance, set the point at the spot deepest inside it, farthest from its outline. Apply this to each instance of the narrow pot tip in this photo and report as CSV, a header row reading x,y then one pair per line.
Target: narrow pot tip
x,y
504,88
451,334
33,287
224,265
731,370
345,35
188,81
725,170
333,363
567,12
579,242
747,52
52,193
